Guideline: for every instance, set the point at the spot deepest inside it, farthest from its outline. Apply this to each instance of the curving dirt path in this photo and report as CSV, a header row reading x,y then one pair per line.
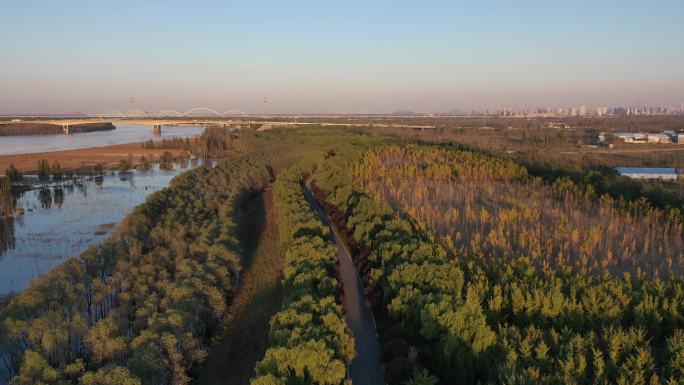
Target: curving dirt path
x,y
365,369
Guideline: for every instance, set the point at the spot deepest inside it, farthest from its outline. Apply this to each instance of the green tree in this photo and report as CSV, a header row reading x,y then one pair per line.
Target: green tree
x,y
13,174
56,171
43,171
166,161
110,376
422,377
6,197
125,166
35,370
145,164
103,341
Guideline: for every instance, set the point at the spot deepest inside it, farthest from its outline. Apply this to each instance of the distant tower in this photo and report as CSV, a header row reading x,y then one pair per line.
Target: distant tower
x,y
264,106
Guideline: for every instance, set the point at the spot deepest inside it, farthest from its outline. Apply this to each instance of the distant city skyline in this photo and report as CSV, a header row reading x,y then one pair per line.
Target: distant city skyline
x,y
352,57
573,111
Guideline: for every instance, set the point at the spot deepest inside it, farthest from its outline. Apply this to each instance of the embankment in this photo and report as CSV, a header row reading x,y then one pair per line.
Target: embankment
x,y
29,128
73,159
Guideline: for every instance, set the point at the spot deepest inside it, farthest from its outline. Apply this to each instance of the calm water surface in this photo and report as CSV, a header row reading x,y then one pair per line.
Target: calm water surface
x,y
124,133
61,222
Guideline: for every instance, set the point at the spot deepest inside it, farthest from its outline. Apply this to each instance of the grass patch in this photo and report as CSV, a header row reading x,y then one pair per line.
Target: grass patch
x,y
243,340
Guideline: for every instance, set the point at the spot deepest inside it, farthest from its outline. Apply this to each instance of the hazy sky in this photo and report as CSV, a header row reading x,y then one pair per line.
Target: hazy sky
x,y
338,56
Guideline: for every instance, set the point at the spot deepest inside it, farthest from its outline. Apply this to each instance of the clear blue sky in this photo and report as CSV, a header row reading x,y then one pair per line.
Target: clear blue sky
x,y
338,56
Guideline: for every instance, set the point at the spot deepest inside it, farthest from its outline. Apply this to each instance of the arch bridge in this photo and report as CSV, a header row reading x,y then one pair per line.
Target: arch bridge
x,y
199,112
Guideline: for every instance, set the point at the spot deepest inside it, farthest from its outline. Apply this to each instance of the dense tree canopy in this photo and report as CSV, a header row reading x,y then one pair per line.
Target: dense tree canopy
x,y
477,271
140,307
310,340
472,318
489,205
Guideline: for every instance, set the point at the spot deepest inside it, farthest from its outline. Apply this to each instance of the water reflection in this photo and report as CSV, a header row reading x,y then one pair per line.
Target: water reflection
x,y
124,133
45,197
7,240
82,188
58,194
128,177
62,221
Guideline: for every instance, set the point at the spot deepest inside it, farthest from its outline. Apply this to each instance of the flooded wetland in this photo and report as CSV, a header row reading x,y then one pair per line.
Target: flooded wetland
x,y
64,220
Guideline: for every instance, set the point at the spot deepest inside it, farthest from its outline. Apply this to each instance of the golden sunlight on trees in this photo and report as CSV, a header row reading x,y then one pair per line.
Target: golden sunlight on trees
x,y
140,307
476,308
310,342
490,206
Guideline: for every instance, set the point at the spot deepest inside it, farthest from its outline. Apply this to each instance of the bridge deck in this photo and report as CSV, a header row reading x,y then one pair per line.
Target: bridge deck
x,y
194,122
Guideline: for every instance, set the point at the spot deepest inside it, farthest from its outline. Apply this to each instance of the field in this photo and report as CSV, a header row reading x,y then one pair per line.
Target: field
x,y
74,159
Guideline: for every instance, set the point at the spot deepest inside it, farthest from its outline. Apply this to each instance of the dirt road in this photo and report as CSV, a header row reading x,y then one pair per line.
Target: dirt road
x,y
365,369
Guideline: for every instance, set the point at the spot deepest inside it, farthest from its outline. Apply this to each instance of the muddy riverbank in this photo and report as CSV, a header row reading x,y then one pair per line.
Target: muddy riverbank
x,y
74,159
30,128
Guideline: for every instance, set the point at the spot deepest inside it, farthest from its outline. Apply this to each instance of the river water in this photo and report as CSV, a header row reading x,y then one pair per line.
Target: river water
x,y
124,133
63,221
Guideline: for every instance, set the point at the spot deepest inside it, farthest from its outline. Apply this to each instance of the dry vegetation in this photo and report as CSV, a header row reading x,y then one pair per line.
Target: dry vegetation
x,y
490,206
75,159
533,140
474,319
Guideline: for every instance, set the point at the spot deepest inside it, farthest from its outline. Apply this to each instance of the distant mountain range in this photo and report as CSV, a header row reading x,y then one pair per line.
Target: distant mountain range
x,y
406,113
456,111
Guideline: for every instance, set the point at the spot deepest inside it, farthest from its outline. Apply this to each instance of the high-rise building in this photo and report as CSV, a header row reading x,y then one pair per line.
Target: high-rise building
x,y
583,110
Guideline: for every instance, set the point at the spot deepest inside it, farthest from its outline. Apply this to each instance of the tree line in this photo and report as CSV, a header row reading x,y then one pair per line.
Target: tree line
x,y
310,342
170,144
8,206
140,307
30,128
470,318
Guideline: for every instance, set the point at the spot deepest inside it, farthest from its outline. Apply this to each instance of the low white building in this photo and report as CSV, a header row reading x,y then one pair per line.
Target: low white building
x,y
641,137
659,138
648,173
630,137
